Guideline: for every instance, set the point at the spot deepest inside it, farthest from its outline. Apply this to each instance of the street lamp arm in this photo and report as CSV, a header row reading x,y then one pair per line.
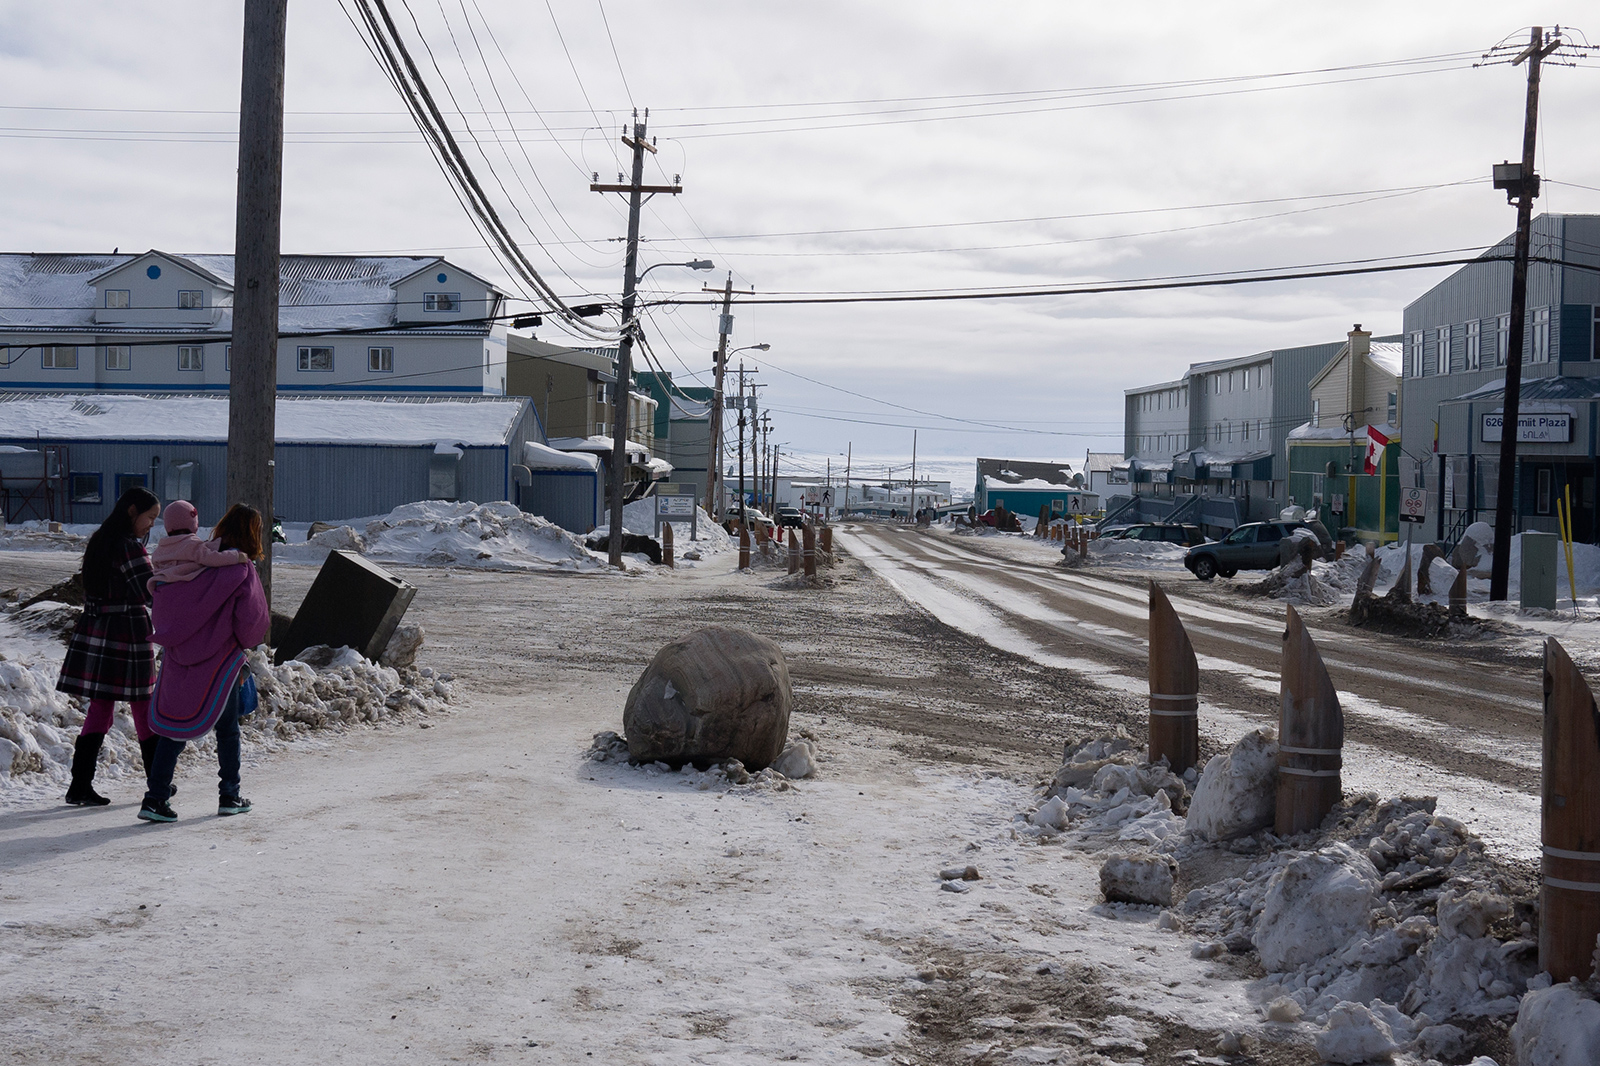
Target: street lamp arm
x,y
693,264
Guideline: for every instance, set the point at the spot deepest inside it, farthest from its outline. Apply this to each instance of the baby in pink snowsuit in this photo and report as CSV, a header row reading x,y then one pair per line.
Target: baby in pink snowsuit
x,y
182,555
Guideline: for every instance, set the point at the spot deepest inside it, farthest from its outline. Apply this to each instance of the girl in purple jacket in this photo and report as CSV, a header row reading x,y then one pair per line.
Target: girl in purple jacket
x,y
206,625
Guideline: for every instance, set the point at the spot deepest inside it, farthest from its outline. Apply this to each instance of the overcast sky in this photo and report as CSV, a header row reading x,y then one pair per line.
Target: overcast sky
x,y
917,128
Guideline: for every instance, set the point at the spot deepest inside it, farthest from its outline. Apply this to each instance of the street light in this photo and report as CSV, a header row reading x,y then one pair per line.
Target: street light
x,y
714,474
693,264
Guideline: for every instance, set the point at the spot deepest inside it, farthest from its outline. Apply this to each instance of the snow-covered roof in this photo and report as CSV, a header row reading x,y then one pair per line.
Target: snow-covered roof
x,y
538,456
1388,355
658,467
474,421
1306,431
599,446
1100,462
56,291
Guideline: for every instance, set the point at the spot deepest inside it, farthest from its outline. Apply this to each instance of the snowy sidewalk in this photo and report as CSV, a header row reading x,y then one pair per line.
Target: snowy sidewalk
x,y
478,890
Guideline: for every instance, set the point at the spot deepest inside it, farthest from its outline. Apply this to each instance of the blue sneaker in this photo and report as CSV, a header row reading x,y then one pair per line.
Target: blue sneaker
x,y
232,805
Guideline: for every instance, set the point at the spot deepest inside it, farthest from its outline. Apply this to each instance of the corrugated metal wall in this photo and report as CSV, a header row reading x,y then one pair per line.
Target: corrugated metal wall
x,y
572,499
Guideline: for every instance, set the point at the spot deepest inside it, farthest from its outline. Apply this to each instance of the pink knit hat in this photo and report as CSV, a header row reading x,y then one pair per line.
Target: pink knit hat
x,y
181,517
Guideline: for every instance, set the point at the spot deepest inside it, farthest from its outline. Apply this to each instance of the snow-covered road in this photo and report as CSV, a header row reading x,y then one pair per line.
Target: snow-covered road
x,y
1445,724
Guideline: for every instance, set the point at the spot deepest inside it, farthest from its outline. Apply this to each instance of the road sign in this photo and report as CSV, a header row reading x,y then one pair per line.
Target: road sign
x,y
1337,503
1074,504
1413,505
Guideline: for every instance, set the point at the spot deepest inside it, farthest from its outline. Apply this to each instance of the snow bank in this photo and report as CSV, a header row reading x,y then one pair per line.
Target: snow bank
x,y
1238,792
38,725
1315,904
490,536
1153,553
1557,1026
640,517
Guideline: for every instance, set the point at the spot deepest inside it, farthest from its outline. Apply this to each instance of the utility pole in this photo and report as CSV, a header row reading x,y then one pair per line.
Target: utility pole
x,y
253,377
636,190
772,461
848,448
913,474
719,360
1522,187
741,445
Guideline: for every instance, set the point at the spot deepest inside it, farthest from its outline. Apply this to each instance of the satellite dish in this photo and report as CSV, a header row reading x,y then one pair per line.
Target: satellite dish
x,y
1077,481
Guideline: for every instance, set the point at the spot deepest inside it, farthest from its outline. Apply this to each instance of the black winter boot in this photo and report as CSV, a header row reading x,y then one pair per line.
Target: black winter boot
x,y
147,752
85,751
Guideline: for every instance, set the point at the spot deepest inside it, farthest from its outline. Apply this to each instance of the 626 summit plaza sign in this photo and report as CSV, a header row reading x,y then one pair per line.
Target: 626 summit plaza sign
x,y
1534,428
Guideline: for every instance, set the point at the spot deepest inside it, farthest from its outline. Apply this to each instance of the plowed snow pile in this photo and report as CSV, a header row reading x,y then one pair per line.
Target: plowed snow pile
x,y
298,700
490,536
1389,930
709,539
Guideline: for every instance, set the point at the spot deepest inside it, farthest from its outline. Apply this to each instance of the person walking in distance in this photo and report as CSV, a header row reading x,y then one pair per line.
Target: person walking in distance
x,y
206,625
110,656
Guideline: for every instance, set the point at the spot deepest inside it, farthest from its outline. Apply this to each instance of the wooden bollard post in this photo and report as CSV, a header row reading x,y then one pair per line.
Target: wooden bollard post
x,y
1338,550
666,544
808,552
744,547
794,553
1044,521
1458,594
1083,544
827,540
1569,889
763,538
1174,688
1310,735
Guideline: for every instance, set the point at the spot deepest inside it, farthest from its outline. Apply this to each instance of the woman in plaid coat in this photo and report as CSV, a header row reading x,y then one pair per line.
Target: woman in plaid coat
x,y
110,656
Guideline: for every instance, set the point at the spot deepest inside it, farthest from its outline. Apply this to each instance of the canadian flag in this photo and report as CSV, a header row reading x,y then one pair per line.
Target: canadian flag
x,y
1376,442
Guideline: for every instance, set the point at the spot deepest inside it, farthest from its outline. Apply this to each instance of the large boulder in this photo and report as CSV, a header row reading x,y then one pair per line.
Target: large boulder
x,y
719,693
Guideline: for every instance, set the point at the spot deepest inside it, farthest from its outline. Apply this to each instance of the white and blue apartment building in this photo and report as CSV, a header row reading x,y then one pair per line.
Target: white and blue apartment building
x,y
160,323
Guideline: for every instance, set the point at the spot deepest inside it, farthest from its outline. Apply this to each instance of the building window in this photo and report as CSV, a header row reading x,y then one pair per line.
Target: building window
x,y
1219,432
115,298
1502,339
118,357
1474,344
191,357
1258,430
380,360
1444,350
441,301
58,357
317,359
1316,413
227,357
1545,481
191,299
1541,336
129,481
85,488
1246,377
1230,381
1414,354
1393,410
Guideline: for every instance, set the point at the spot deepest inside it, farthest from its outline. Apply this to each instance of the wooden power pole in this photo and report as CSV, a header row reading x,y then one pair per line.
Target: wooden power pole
x,y
1522,187
714,460
621,399
253,374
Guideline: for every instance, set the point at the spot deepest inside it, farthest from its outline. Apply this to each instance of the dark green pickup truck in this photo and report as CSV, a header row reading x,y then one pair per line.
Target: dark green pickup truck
x,y
1249,547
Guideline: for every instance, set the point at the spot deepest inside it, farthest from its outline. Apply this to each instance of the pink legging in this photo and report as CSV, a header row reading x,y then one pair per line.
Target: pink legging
x,y
98,720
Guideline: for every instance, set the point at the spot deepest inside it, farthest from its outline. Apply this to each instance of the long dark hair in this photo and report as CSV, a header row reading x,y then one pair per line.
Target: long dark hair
x,y
240,529
117,527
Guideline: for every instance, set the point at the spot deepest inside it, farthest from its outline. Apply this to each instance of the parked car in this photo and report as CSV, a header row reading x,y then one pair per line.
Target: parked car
x,y
790,517
1253,546
1167,533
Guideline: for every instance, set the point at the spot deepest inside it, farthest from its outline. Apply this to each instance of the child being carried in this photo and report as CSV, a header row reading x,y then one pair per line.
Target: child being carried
x,y
182,555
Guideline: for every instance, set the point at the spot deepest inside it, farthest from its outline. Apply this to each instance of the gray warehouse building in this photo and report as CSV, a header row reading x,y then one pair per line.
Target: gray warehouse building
x,y
337,457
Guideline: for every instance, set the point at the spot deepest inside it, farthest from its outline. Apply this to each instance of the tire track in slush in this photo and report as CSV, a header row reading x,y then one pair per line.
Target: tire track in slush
x,y
1407,727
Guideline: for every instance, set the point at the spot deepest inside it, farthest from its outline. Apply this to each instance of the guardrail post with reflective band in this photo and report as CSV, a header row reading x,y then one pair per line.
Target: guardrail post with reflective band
x,y
794,553
1174,688
744,547
808,552
827,540
666,544
1310,735
1569,890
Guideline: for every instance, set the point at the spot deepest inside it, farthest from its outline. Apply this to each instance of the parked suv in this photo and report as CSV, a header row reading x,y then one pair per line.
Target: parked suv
x,y
1166,532
790,517
1250,547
